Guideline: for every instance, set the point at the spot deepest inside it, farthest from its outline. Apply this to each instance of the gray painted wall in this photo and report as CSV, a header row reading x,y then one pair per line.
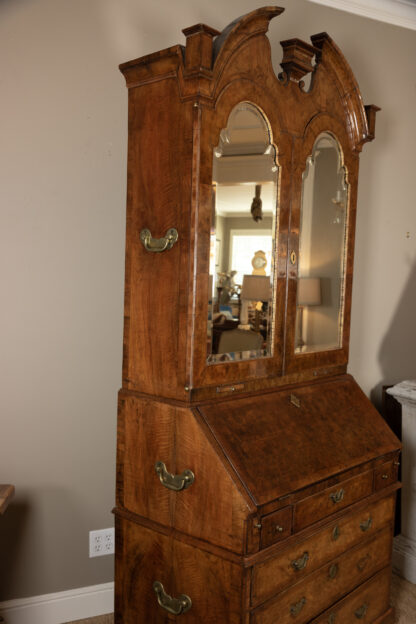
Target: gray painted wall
x,y
63,112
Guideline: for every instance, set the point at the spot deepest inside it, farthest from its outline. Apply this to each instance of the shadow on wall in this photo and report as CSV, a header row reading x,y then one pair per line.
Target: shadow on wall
x,y
397,355
12,529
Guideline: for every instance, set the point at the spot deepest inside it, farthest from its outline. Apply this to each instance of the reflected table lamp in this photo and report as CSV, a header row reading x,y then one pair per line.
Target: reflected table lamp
x,y
309,294
254,288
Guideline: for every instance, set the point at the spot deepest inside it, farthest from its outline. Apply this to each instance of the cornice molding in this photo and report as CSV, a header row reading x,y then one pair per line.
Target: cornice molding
x,y
396,12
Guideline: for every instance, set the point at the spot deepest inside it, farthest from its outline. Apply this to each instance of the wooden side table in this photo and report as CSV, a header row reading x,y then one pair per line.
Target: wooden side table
x,y
6,495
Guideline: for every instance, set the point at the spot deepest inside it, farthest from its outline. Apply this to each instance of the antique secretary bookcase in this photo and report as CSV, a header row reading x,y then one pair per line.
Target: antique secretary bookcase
x,y
256,483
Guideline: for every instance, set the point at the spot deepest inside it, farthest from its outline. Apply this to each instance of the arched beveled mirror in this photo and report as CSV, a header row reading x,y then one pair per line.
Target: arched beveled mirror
x,y
322,249
243,235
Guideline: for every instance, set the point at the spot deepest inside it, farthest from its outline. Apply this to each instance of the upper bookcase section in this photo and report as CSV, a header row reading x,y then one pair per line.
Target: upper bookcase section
x,y
245,181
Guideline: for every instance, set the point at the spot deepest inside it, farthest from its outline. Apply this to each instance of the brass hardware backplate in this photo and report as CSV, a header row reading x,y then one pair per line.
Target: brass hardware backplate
x,y
176,606
333,571
365,525
295,400
296,608
293,257
300,564
338,496
157,245
360,613
174,482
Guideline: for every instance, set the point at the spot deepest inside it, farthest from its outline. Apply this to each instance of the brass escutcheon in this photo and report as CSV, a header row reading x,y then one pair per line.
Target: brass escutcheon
x,y
366,524
296,608
176,606
336,533
157,245
333,571
174,482
363,562
300,564
360,613
293,257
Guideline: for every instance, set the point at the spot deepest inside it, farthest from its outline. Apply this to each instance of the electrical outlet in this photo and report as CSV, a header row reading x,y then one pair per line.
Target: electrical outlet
x,y
101,542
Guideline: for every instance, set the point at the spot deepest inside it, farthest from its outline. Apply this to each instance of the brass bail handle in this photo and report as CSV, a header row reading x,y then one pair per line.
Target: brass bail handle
x,y
157,245
176,606
174,482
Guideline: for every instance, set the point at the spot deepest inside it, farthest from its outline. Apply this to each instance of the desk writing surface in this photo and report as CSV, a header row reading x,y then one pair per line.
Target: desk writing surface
x,y
283,441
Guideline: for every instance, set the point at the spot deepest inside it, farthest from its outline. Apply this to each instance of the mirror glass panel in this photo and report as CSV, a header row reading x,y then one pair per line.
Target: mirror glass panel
x,y
322,249
242,253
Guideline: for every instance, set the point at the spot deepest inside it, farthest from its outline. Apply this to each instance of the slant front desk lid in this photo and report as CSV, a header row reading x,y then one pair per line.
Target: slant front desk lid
x,y
281,442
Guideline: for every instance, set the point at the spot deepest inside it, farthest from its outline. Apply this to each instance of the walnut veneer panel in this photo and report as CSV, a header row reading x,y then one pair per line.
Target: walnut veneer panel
x,y
308,598
370,602
145,556
214,507
278,573
278,448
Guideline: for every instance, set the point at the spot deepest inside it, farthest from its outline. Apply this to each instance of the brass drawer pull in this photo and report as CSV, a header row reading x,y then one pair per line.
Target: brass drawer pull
x,y
331,619
366,524
363,562
174,482
337,497
333,571
296,608
295,400
157,245
336,533
176,606
300,564
360,613
279,529
385,476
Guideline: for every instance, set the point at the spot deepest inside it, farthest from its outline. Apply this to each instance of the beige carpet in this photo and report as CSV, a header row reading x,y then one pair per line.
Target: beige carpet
x,y
403,598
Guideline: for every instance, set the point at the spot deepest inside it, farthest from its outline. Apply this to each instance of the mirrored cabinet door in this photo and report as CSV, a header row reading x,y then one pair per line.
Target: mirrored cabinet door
x,y
240,323
322,249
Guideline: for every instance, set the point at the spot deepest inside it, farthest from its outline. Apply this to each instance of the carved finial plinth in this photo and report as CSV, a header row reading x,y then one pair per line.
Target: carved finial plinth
x,y
198,51
297,58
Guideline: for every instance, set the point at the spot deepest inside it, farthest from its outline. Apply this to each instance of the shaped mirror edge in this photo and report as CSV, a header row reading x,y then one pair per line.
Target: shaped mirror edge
x,y
323,234
242,274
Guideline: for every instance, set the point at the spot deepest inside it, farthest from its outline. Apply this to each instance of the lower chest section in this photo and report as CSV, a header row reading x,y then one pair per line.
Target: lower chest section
x,y
338,574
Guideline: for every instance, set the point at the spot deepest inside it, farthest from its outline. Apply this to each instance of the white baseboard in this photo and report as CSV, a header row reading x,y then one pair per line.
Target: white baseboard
x,y
66,606
404,557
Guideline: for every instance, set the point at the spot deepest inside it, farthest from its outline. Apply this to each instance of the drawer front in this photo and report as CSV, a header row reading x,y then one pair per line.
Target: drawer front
x,y
364,605
159,579
332,499
276,526
305,600
386,475
291,565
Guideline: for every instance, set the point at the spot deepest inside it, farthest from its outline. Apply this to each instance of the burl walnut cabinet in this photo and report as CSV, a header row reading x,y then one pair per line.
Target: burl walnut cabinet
x,y
256,482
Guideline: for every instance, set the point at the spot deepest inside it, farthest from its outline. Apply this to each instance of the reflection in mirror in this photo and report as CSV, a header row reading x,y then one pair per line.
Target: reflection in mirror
x,y
322,248
242,254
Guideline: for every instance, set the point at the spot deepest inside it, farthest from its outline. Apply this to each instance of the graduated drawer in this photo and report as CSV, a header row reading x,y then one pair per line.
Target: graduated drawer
x,y
295,562
305,600
386,474
332,499
364,605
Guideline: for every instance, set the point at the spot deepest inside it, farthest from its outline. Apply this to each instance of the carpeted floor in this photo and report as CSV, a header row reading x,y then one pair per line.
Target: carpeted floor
x,y
403,597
